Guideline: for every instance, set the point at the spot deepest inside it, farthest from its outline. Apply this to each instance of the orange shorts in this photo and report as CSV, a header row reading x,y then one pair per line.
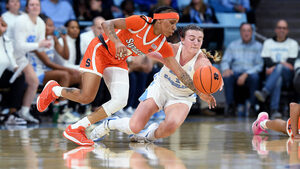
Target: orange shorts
x,y
289,127
97,58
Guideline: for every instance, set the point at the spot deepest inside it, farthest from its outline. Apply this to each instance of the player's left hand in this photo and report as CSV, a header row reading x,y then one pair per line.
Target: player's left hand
x,y
121,51
209,99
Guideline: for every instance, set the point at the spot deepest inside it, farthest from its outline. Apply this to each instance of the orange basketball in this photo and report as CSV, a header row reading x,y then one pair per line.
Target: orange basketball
x,y
207,79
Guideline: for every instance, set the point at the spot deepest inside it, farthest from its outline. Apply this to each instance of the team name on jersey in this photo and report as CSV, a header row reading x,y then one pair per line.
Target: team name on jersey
x,y
175,83
131,45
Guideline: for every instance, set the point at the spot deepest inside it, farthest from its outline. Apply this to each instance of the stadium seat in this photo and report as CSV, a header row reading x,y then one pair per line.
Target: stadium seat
x,y
231,23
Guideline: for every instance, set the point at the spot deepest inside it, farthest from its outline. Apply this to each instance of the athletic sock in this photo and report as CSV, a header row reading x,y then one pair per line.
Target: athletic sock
x,y
57,90
121,125
83,122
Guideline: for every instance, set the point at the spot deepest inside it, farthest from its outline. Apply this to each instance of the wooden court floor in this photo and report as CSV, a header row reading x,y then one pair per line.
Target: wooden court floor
x,y
209,143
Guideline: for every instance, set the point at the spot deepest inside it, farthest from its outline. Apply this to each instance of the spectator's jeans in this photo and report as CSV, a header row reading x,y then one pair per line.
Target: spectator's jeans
x,y
279,77
252,83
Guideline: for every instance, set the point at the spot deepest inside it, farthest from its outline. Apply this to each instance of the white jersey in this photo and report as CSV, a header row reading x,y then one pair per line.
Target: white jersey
x,y
38,66
27,36
170,82
10,19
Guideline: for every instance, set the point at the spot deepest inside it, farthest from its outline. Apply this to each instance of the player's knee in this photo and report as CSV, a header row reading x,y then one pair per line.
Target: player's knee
x,y
33,82
136,126
120,102
114,105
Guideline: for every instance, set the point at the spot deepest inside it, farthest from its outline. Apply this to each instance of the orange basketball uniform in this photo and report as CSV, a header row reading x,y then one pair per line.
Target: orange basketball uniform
x,y
138,36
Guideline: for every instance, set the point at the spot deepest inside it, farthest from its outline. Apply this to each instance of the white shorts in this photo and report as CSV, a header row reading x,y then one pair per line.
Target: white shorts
x,y
163,98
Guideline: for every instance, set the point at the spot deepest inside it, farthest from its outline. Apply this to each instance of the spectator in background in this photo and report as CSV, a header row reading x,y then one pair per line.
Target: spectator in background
x,y
98,8
199,12
279,54
43,63
241,6
87,37
80,9
236,5
170,3
73,41
241,65
145,6
297,77
29,36
10,16
7,66
58,10
127,8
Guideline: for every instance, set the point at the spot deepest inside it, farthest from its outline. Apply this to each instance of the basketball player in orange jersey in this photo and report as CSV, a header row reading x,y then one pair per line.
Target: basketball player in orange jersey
x,y
166,93
290,127
106,57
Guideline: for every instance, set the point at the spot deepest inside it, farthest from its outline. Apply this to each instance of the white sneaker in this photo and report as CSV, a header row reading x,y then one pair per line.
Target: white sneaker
x,y
102,130
67,117
13,119
142,136
27,116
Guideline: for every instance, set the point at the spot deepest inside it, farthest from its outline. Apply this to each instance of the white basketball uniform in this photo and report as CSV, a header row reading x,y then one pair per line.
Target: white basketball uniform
x,y
166,89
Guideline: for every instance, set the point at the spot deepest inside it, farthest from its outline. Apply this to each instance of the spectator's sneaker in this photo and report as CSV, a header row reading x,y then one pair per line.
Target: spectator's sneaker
x,y
260,95
76,158
142,136
101,131
27,116
13,119
259,145
256,128
77,136
47,96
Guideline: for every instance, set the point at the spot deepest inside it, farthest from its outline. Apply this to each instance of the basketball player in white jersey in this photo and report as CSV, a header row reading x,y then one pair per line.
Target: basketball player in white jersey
x,y
166,92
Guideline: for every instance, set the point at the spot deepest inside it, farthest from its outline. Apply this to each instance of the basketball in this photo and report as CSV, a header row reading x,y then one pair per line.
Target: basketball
x,y
207,79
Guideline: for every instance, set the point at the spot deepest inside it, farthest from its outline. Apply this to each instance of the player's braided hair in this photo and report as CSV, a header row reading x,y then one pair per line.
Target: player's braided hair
x,y
215,57
161,9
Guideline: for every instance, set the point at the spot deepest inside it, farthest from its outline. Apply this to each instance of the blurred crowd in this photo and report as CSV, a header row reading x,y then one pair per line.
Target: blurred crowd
x,y
43,40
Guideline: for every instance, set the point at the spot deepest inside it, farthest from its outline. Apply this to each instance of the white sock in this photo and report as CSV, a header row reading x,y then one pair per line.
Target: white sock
x,y
24,109
57,90
83,122
263,124
121,125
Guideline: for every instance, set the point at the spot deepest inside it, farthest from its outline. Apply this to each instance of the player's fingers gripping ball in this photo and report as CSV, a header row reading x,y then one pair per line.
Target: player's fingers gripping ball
x,y
207,79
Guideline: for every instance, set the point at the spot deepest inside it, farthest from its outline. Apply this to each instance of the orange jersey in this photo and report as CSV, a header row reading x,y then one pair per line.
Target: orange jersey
x,y
138,36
